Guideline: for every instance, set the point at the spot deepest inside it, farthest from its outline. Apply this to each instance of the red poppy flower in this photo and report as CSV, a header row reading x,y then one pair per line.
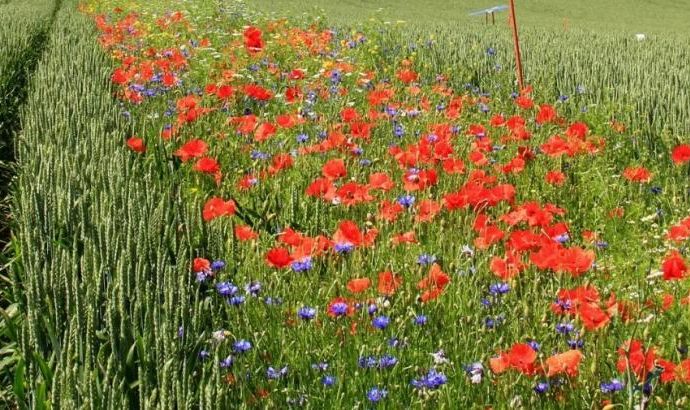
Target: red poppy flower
x,y
681,154
674,267
633,357
680,231
406,237
264,131
334,169
217,207
224,92
280,162
427,210
592,316
358,285
192,149
380,180
388,283
555,178
407,76
390,211
252,39
637,174
564,363
524,102
207,165
257,92
349,114
547,113
136,144
245,233
278,258
201,265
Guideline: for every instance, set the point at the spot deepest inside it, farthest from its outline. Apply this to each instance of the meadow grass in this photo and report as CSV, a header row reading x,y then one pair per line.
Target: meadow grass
x,y
617,16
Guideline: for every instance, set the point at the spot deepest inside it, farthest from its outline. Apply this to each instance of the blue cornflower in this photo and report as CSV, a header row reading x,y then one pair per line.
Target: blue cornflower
x,y
335,76
613,386
301,265
201,276
602,244
564,304
406,200
376,394
226,289
387,361
339,308
562,98
236,300
372,308
380,322
656,190
426,259
241,346
328,380
258,155
322,366
562,238
367,362
302,138
420,320
491,323
180,332
565,328
534,345
475,371
218,264
490,51
273,301
344,247
398,130
364,162
203,355
542,387
306,313
274,374
432,380
500,288
253,288
394,342
227,362
576,343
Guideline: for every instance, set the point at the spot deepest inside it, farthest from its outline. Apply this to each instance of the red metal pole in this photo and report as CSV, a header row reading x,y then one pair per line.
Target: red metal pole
x,y
518,59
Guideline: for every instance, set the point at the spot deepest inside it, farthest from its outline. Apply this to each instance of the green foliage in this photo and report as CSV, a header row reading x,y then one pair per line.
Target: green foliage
x,y
104,237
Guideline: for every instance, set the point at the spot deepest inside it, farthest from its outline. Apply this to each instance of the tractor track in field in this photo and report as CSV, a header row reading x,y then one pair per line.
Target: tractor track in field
x,y
10,124
10,127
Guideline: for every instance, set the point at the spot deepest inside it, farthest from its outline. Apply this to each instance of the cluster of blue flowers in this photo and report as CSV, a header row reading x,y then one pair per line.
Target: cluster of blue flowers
x,y
432,380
